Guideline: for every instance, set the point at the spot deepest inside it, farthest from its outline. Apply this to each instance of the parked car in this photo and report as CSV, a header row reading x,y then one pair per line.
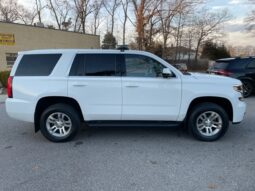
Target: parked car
x,y
239,68
58,89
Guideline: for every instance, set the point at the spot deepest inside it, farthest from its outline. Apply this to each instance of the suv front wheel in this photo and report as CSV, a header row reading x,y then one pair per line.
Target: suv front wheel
x,y
59,123
208,122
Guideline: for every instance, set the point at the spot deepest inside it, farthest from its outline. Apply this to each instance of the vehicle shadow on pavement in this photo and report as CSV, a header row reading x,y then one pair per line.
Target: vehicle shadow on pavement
x,y
132,132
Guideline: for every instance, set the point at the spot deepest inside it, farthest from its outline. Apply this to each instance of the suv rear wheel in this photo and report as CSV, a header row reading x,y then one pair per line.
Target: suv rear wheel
x,y
59,123
208,122
247,88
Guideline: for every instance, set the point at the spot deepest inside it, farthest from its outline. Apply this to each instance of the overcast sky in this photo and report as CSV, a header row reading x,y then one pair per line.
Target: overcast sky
x,y
236,34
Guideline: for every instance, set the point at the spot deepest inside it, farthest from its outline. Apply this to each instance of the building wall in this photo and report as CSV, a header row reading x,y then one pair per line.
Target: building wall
x,y
30,38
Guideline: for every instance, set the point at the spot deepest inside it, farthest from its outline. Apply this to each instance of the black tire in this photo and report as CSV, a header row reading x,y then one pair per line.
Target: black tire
x,y
66,110
248,88
205,108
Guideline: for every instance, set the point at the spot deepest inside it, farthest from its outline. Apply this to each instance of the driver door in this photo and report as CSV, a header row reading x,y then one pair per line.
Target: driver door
x,y
146,94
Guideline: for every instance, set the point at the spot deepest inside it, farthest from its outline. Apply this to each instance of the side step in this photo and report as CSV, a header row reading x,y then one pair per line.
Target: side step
x,y
133,123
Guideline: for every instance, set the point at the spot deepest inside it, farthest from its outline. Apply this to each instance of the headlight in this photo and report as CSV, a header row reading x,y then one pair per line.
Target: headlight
x,y
238,88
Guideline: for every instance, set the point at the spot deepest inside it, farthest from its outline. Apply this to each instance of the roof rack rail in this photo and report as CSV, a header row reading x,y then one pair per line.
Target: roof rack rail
x,y
122,48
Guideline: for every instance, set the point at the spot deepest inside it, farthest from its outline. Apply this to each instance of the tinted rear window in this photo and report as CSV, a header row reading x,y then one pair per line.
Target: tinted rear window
x,y
239,64
100,65
94,65
37,64
220,65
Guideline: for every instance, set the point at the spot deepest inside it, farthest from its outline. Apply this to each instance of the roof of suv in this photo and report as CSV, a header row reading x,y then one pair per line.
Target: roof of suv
x,y
232,63
51,51
225,59
231,59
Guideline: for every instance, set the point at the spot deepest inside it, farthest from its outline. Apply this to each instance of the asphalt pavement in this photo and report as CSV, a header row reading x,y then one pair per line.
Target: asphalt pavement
x,y
127,159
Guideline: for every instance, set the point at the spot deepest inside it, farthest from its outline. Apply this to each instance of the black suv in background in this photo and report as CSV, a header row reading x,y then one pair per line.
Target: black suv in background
x,y
240,68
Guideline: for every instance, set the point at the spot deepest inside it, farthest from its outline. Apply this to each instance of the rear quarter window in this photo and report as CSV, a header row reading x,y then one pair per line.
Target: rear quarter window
x,y
37,64
96,65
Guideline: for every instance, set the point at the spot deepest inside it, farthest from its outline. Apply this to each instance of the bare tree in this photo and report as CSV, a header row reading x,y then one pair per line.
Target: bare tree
x,y
125,6
26,16
172,14
83,9
60,10
96,15
111,7
168,10
206,24
9,10
144,10
188,38
39,8
178,35
250,21
151,31
250,18
12,11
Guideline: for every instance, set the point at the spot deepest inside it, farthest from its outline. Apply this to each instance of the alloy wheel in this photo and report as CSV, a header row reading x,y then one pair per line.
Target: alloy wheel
x,y
209,123
59,124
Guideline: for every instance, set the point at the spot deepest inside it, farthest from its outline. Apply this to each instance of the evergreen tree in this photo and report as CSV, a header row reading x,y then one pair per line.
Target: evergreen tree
x,y
213,51
109,41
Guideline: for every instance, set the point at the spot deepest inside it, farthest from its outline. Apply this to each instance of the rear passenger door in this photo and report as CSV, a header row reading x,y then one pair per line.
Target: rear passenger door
x,y
95,82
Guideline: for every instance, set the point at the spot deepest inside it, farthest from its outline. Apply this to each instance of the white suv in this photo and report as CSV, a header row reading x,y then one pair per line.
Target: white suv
x,y
59,89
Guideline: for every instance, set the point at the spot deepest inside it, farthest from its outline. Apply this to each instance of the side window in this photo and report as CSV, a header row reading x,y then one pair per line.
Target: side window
x,y
100,65
78,66
251,65
142,66
37,64
94,65
238,64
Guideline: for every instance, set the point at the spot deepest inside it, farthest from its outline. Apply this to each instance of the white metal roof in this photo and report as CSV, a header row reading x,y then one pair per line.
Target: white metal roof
x,y
43,51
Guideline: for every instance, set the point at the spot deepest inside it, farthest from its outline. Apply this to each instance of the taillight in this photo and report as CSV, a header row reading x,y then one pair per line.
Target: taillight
x,y
9,87
223,72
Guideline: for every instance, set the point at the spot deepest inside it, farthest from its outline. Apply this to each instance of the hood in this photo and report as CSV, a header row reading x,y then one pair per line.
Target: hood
x,y
215,78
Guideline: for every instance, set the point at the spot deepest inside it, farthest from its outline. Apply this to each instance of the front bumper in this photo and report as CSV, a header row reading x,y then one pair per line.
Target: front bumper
x,y
239,110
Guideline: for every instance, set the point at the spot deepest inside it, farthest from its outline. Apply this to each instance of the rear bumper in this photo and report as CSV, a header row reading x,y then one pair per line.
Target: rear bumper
x,y
239,110
20,109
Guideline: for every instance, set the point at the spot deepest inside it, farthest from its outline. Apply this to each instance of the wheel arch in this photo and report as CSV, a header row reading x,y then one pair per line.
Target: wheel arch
x,y
223,102
45,102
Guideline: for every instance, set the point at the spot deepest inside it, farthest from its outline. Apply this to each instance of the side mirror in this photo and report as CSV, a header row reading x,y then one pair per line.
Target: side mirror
x,y
167,73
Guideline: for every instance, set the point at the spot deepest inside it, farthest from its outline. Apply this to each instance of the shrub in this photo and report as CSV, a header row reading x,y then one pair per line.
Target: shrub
x,y
4,78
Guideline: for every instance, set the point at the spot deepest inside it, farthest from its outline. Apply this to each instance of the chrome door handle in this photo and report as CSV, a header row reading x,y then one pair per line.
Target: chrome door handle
x,y
79,85
132,86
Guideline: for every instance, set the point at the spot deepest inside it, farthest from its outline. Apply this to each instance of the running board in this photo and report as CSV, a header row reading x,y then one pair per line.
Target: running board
x,y
133,123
